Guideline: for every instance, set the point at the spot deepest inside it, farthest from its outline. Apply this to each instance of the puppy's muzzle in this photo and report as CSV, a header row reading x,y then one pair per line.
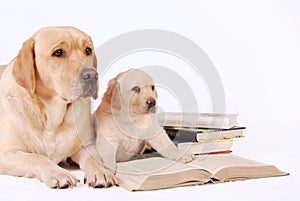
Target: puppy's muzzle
x,y
151,102
89,79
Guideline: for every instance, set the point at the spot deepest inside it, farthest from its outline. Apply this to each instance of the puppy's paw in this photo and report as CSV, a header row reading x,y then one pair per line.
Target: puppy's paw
x,y
59,178
187,158
97,176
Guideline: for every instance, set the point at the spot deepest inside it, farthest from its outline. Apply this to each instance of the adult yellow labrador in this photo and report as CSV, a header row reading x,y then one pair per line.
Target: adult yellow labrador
x,y
125,121
45,109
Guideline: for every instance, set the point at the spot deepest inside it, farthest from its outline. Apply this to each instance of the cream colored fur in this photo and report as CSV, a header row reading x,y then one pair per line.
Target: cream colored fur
x,y
44,116
126,125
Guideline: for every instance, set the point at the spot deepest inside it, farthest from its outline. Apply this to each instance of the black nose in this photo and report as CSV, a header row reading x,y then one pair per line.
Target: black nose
x,y
89,75
151,102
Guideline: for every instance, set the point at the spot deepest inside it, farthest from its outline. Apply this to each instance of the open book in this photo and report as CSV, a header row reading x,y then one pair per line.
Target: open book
x,y
158,173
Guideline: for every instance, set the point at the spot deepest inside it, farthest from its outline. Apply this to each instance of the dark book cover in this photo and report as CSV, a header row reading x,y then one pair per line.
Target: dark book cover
x,y
182,134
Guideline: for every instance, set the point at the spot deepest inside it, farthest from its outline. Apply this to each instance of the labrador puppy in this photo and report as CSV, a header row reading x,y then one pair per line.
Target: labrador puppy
x,y
45,109
125,122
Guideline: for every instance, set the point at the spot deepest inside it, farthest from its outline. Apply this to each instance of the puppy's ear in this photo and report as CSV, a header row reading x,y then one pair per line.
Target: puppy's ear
x,y
24,66
116,97
112,94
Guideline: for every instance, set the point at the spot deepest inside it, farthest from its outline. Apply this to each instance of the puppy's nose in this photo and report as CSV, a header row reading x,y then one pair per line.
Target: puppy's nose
x,y
89,75
151,102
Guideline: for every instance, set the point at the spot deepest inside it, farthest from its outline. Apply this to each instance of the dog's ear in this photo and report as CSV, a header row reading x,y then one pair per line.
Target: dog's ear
x,y
112,94
24,66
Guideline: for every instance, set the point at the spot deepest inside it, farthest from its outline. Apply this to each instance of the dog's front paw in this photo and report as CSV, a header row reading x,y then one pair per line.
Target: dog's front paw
x,y
187,158
97,176
59,178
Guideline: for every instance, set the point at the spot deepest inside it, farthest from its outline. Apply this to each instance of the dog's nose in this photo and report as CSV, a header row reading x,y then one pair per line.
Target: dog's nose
x,y
151,102
89,75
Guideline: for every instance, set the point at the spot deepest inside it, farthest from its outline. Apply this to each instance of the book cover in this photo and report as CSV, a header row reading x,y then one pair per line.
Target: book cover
x,y
183,134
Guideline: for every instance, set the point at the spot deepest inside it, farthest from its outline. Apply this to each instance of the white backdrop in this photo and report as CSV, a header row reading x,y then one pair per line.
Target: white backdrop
x,y
254,46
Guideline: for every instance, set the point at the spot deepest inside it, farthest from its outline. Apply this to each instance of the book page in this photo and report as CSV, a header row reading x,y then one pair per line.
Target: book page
x,y
157,173
155,165
214,163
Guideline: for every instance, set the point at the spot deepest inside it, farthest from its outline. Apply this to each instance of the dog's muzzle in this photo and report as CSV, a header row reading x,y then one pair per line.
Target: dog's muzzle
x,y
89,79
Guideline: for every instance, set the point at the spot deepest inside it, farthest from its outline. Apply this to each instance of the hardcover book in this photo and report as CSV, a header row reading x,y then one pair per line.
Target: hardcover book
x,y
184,134
205,120
159,173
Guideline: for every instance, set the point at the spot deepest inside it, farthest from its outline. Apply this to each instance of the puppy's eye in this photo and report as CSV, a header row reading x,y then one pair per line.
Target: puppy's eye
x,y
136,89
59,53
153,87
88,51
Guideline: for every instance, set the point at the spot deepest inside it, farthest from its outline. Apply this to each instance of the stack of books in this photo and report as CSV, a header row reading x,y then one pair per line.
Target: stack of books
x,y
202,133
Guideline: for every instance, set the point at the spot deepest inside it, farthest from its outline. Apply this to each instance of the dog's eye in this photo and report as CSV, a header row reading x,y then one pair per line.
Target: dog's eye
x,y
59,53
136,89
88,51
153,87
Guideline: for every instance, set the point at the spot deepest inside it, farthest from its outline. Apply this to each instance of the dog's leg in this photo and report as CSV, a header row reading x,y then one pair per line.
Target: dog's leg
x,y
96,175
162,144
18,163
